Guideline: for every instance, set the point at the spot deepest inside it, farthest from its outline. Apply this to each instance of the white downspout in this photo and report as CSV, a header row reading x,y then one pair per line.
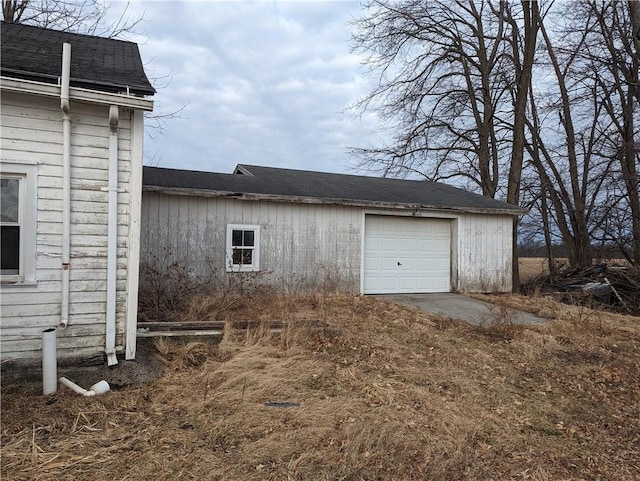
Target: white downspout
x,y
66,183
112,237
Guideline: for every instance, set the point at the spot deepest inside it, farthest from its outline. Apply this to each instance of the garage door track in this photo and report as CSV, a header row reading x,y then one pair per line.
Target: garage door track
x,y
457,306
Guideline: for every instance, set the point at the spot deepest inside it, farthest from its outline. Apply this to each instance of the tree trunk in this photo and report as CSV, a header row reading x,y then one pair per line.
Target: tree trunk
x,y
629,164
523,83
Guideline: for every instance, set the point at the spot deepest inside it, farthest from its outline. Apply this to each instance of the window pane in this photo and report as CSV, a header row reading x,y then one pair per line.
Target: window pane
x,y
10,251
248,238
9,192
242,257
236,238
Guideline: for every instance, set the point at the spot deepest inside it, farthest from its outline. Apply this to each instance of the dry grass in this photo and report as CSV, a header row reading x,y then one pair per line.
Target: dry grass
x,y
532,267
398,395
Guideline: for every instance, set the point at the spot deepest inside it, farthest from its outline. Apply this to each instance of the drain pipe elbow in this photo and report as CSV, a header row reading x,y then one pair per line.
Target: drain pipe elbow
x,y
100,387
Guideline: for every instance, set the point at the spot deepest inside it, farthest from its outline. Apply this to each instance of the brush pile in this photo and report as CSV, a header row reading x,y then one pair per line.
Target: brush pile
x,y
610,287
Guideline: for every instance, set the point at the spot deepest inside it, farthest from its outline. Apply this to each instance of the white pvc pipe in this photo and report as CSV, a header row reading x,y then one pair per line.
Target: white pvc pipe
x,y
100,387
66,74
66,184
49,362
112,238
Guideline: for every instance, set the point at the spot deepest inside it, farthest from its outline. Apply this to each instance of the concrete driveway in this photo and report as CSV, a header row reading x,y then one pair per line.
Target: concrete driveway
x,y
461,307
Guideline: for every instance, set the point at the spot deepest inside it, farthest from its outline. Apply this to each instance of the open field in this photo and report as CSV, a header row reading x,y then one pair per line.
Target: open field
x,y
397,395
531,267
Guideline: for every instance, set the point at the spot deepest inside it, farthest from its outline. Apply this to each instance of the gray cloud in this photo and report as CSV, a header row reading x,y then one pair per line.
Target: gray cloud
x,y
263,83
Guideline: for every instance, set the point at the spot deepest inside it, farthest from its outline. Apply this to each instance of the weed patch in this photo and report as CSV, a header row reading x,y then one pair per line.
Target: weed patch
x,y
396,394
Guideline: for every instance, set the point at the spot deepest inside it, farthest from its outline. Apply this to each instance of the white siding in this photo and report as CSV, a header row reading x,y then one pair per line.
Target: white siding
x,y
302,245
484,253
32,134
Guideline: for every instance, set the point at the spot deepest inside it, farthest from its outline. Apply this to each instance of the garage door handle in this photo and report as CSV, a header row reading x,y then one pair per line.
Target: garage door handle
x,y
399,263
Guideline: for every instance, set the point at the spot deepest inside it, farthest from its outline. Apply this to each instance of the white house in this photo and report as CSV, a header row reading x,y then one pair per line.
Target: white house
x,y
71,176
364,234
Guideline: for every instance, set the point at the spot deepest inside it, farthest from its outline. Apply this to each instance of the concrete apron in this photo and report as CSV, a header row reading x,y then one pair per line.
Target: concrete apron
x,y
466,309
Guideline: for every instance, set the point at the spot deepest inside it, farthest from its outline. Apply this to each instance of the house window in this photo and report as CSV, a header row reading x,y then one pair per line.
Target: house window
x,y
10,224
17,223
243,248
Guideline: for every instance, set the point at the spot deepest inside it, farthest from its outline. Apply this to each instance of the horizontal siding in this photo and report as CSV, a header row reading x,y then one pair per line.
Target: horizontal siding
x,y
301,246
32,134
484,253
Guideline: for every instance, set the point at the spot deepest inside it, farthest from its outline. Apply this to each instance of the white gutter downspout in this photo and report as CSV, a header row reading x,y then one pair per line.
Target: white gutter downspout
x,y
112,237
66,183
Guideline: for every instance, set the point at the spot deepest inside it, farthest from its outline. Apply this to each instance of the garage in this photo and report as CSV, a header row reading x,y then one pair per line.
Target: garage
x,y
406,255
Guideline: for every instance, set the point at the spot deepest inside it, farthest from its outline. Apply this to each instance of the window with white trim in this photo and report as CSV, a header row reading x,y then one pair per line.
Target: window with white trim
x,y
243,248
18,203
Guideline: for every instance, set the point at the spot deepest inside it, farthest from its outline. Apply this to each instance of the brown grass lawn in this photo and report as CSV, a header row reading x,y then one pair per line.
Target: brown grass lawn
x,y
397,395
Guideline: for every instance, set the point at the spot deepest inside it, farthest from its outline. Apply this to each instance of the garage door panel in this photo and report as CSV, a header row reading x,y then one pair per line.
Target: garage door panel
x,y
423,265
406,255
406,244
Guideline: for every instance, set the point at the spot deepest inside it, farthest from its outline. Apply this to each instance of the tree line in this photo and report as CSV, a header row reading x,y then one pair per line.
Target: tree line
x,y
534,103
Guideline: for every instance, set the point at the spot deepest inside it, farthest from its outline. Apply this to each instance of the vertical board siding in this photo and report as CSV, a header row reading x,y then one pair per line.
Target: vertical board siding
x,y
484,253
298,242
306,246
32,134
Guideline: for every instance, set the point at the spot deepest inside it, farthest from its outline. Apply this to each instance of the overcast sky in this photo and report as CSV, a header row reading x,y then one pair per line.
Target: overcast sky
x,y
265,83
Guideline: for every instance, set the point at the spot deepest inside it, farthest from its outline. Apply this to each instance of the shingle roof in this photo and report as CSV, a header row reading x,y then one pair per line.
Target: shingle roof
x,y
324,188
104,64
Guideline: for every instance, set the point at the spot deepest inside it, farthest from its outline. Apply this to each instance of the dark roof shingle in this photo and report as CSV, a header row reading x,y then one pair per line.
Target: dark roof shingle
x,y
97,63
250,179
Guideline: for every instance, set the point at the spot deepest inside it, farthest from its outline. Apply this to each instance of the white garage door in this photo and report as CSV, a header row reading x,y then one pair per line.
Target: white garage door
x,y
406,255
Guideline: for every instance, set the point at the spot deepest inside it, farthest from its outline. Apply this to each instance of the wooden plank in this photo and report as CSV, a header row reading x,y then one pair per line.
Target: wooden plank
x,y
184,333
133,255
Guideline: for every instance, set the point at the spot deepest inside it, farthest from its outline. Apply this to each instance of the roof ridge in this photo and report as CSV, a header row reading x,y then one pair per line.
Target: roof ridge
x,y
248,167
77,34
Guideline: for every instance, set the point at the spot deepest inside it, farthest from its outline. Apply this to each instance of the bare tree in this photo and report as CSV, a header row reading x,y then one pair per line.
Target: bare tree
x,y
78,16
617,29
455,78
469,87
442,69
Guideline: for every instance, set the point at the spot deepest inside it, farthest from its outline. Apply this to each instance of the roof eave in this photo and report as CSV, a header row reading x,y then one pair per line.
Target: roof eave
x,y
328,201
8,84
100,86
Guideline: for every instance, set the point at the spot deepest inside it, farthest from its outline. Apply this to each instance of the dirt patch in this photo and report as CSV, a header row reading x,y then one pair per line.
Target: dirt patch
x,y
146,368
398,394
